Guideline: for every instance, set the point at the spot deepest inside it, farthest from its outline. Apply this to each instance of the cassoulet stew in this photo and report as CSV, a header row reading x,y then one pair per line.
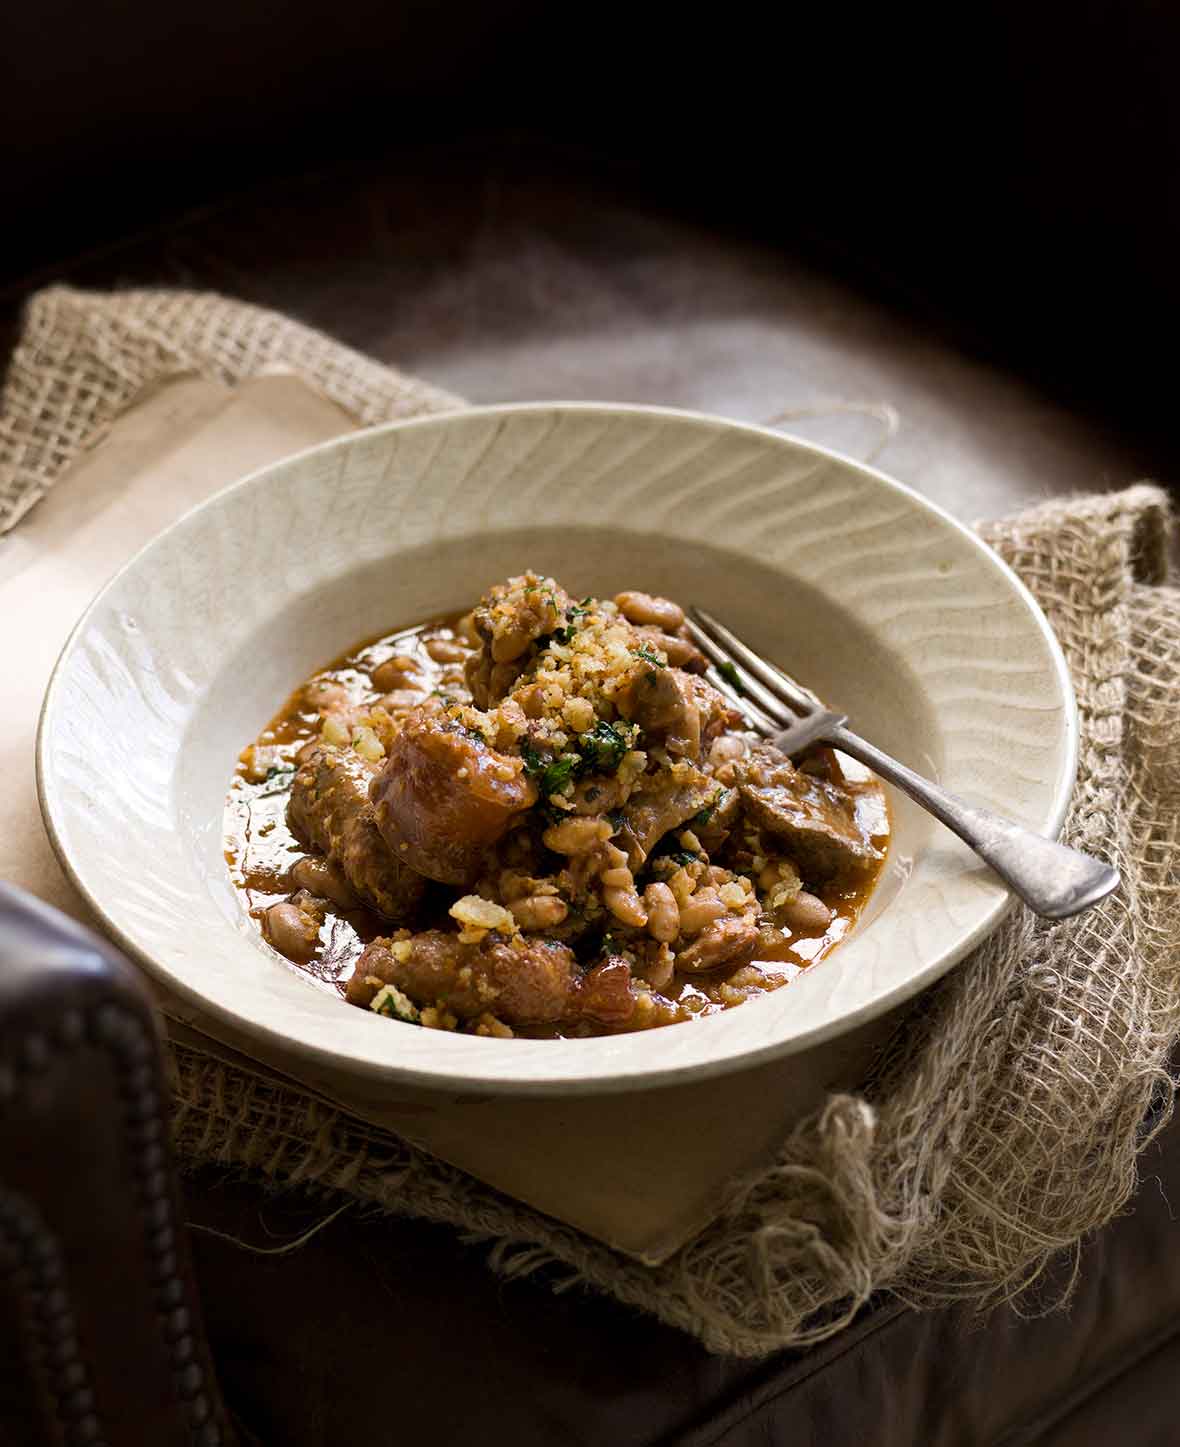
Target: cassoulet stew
x,y
542,819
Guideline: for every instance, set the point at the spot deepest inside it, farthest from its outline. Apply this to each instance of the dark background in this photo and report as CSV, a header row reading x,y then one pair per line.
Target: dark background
x,y
1007,170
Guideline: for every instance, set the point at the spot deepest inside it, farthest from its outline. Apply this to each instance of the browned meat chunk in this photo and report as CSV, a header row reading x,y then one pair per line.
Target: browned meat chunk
x,y
490,683
514,614
443,797
510,618
520,981
329,806
815,819
605,993
663,802
662,702
729,941
676,708
716,714
722,814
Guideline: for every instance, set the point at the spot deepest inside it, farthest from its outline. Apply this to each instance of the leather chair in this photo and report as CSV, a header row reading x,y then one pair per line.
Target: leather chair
x,y
98,1309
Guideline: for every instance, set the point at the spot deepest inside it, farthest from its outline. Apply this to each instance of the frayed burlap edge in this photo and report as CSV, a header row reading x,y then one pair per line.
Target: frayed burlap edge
x,y
1006,1120
83,356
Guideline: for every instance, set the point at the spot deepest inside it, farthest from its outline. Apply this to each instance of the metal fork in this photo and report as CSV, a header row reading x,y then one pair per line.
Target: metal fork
x,y
1052,879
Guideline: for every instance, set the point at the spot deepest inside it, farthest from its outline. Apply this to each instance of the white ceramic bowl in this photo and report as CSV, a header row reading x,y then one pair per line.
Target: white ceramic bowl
x,y
878,600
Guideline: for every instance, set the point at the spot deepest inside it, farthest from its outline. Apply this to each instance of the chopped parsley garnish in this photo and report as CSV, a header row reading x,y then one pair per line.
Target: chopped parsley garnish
x,y
665,855
552,774
729,672
395,1006
278,778
561,772
649,657
572,614
603,747
600,751
709,810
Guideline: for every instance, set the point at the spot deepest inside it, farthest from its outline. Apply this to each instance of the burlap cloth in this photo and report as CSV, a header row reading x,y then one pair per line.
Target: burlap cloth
x,y
1007,1118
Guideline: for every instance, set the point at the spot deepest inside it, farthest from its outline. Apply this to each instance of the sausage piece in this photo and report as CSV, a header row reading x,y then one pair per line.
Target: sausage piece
x,y
329,806
444,796
520,981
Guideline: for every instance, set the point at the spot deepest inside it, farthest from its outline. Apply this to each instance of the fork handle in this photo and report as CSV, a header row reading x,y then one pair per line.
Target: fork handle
x,y
1054,880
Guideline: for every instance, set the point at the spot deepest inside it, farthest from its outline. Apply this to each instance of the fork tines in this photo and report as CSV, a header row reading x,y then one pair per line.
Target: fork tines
x,y
772,700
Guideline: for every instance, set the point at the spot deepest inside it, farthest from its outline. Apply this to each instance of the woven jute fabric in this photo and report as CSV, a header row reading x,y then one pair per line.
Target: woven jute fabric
x,y
82,357
1005,1120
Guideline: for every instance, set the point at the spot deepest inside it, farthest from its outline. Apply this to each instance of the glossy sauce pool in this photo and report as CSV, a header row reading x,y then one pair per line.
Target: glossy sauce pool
x,y
260,848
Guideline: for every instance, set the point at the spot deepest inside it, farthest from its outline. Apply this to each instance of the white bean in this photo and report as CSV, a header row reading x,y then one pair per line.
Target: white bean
x,y
327,695
391,674
663,913
702,909
626,906
680,651
539,911
321,877
576,836
446,650
647,608
805,912
400,699
658,972
620,878
292,932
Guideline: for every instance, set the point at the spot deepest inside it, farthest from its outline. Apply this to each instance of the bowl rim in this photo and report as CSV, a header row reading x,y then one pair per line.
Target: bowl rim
x,y
563,1083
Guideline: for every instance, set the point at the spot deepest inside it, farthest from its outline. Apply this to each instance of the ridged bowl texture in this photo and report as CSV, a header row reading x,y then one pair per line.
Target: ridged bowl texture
x,y
883,604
